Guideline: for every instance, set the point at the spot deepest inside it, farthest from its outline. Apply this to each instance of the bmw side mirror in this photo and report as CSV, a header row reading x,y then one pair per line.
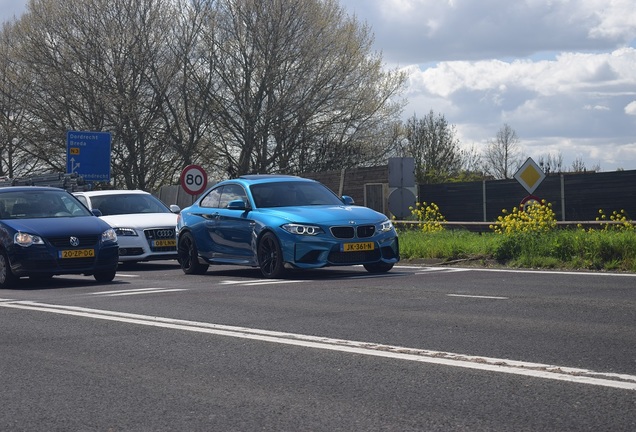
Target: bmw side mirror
x,y
237,205
175,208
347,200
97,212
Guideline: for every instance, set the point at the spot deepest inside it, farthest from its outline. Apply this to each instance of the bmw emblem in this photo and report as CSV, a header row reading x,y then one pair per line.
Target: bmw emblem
x,y
74,241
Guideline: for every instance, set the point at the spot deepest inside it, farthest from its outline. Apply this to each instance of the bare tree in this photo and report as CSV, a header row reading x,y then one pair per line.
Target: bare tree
x,y
503,156
432,142
298,88
91,62
551,163
235,85
15,157
578,166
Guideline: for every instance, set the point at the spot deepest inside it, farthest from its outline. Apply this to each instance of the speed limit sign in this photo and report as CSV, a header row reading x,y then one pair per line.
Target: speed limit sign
x,y
194,180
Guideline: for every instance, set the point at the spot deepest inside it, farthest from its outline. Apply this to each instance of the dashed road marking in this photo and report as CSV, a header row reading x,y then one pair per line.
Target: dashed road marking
x,y
259,282
136,292
478,296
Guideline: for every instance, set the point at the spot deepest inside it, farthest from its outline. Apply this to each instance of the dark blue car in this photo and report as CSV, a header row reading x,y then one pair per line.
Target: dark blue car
x,y
273,222
46,231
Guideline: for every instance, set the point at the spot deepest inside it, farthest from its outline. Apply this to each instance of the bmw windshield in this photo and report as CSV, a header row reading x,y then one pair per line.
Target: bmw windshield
x,y
288,193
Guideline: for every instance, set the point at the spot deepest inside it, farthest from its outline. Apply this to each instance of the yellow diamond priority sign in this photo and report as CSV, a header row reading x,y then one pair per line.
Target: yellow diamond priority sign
x,y
529,175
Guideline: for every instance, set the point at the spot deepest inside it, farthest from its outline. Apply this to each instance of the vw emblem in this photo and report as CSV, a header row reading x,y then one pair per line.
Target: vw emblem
x,y
74,241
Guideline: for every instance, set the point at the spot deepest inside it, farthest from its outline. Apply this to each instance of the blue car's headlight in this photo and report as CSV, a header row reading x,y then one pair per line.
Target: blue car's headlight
x,y
125,232
109,236
301,229
24,239
385,226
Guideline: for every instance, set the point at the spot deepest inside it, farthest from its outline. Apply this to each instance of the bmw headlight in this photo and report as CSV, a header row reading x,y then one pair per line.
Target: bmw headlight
x,y
386,226
301,229
125,232
109,236
26,240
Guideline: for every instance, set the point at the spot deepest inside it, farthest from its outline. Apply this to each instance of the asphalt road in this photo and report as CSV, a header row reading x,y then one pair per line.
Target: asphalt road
x,y
420,348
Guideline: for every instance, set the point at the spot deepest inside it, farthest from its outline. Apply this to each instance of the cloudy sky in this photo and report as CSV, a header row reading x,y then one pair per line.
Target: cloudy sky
x,y
561,73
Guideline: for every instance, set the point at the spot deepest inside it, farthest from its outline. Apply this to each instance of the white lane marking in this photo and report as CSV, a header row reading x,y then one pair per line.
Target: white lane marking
x,y
502,270
477,296
260,282
551,272
124,275
136,291
155,291
372,276
441,269
123,291
271,282
535,370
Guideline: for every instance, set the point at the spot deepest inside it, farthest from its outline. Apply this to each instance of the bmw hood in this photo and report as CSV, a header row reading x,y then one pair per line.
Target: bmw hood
x,y
50,227
327,215
142,220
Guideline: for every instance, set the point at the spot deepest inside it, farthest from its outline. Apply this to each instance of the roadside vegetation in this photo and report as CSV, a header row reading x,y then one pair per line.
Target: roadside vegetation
x,y
523,238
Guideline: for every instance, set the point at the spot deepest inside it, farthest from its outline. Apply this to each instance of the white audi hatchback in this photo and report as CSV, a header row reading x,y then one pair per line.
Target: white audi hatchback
x,y
145,226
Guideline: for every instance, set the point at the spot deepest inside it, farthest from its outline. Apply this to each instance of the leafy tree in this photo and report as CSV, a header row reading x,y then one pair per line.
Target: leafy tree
x,y
432,142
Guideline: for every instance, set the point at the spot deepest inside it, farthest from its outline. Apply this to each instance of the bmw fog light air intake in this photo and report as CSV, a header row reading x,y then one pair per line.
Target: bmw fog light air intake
x,y
25,239
300,229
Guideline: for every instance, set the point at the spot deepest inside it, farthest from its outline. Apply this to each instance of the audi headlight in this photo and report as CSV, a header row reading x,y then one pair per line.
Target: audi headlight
x,y
386,226
109,236
26,240
300,229
125,232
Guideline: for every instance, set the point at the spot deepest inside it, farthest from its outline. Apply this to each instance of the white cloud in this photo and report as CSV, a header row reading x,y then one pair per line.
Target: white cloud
x,y
562,73
630,108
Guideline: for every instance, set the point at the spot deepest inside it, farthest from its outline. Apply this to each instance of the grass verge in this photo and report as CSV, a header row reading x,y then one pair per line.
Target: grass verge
x,y
573,249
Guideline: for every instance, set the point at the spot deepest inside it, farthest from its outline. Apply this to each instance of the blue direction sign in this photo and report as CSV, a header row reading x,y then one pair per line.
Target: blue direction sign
x,y
88,155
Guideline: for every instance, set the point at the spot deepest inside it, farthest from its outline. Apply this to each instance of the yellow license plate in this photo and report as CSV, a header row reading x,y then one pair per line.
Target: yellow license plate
x,y
77,253
165,243
357,247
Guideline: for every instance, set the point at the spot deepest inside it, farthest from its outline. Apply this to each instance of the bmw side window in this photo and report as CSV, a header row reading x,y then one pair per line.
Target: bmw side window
x,y
212,199
232,193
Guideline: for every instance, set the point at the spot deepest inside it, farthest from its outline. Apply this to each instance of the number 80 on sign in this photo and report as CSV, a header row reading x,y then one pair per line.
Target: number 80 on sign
x,y
194,179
